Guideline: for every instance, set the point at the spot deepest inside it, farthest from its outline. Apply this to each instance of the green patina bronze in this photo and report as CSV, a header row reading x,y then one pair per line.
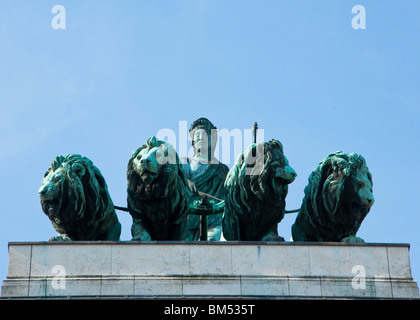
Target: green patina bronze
x,y
256,189
170,199
75,198
337,199
205,174
157,193
205,205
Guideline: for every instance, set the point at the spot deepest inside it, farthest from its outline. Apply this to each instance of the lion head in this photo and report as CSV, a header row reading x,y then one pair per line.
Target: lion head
x,y
75,198
256,189
337,199
158,196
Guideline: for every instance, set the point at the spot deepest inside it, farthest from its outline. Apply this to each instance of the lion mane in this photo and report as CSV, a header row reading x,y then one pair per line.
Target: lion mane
x,y
337,199
75,197
157,193
256,188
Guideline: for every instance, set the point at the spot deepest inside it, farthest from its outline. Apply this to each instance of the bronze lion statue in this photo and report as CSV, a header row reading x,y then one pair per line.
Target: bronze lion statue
x,y
75,198
337,199
158,196
256,189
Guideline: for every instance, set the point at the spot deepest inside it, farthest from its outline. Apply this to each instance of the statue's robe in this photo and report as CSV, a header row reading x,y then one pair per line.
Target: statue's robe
x,y
210,181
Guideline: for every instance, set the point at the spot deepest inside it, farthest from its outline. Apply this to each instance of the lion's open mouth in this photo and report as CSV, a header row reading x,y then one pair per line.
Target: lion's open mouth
x,y
51,207
358,210
278,184
148,176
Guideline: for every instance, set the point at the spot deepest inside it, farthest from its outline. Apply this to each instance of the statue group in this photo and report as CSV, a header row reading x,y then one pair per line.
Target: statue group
x,y
175,199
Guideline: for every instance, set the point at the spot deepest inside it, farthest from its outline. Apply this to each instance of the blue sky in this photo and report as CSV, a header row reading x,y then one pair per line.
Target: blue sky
x,y
123,70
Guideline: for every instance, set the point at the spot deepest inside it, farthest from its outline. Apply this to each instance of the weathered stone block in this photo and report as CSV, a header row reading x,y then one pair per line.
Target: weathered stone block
x,y
187,269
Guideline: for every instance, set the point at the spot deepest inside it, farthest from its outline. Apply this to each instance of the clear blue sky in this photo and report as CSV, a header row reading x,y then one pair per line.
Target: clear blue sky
x,y
123,70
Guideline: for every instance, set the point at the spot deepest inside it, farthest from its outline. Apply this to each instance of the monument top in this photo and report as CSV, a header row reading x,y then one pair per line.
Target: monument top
x,y
227,269
221,243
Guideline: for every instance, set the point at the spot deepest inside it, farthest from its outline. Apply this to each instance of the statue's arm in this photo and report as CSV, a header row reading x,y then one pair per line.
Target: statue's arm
x,y
192,186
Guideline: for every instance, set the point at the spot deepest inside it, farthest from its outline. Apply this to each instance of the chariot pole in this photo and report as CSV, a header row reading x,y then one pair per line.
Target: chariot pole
x,y
254,132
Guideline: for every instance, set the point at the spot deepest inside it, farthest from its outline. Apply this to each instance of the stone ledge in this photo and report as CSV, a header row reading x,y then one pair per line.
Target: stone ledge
x,y
212,243
226,269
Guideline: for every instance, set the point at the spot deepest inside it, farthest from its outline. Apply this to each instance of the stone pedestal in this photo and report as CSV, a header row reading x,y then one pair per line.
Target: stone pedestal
x,y
208,269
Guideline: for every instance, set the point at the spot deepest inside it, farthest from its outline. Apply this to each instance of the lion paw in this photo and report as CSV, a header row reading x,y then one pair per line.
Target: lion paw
x,y
59,238
272,238
143,236
352,239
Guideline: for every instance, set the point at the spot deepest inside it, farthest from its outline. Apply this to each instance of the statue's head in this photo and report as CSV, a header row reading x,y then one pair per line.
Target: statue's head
x,y
339,195
348,184
74,189
203,136
262,170
151,158
154,169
